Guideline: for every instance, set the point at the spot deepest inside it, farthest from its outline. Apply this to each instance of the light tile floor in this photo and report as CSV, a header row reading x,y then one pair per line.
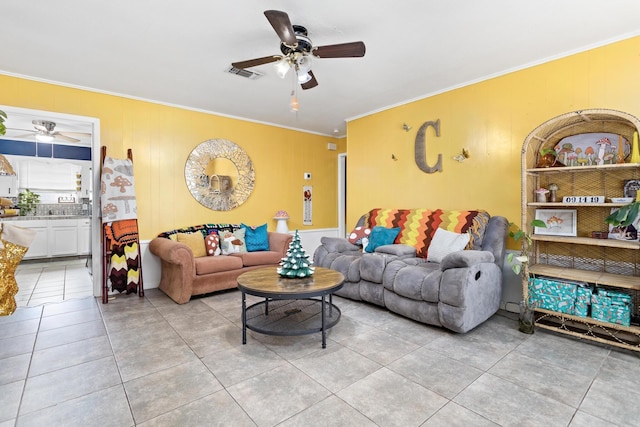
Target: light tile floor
x,y
47,281
150,362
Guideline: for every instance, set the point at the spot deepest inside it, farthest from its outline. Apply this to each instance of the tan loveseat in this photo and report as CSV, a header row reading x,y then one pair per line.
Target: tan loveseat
x,y
184,275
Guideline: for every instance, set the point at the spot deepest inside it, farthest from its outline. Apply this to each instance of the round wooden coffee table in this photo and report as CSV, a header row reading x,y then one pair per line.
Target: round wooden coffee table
x,y
290,306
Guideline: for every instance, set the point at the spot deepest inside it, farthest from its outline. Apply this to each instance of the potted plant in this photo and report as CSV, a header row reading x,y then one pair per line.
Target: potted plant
x,y
3,117
548,158
27,202
526,319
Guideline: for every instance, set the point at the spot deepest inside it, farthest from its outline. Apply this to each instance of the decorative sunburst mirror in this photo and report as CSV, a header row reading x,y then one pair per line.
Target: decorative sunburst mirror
x,y
219,174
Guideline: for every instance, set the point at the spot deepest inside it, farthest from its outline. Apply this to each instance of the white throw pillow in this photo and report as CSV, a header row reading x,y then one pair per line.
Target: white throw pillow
x,y
445,242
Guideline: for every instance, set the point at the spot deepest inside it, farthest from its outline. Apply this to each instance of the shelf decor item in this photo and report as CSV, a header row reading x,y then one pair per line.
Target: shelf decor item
x,y
541,195
635,150
631,187
553,188
558,222
593,148
624,221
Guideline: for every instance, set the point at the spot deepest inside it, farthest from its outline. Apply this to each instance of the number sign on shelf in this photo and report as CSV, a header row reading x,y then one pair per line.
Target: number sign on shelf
x,y
583,199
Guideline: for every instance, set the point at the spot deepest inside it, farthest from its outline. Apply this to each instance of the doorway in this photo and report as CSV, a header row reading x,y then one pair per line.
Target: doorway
x,y
342,195
21,118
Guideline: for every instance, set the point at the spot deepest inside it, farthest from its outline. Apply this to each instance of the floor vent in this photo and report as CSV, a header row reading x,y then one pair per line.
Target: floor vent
x,y
244,73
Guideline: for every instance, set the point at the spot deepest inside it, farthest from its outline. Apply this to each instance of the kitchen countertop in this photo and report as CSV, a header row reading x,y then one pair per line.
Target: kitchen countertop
x,y
40,217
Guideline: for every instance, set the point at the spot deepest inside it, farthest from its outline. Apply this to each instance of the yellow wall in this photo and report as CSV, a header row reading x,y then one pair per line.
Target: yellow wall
x,y
491,119
162,137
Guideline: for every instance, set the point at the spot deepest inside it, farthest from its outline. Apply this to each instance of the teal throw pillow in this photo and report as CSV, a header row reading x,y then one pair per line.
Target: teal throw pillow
x,y
256,238
381,236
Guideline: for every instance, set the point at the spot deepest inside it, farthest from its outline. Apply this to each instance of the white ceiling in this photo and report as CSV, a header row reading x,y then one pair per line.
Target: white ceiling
x,y
176,52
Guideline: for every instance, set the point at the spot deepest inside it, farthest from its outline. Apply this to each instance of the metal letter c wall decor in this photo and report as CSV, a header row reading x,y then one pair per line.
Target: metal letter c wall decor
x,y
421,148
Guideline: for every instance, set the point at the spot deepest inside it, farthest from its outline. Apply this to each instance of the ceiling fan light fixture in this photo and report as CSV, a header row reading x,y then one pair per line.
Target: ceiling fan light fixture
x,y
303,64
44,138
303,78
282,67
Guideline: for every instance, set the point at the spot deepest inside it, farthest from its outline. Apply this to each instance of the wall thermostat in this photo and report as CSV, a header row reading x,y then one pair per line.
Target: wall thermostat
x,y
307,175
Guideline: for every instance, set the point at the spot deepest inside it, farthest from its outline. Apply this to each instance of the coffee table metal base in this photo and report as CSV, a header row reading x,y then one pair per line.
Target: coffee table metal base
x,y
290,317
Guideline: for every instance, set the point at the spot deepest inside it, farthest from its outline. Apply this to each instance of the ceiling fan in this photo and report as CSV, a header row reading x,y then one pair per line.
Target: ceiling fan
x,y
44,132
297,50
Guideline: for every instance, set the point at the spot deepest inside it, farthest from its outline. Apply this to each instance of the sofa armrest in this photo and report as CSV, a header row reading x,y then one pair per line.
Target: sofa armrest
x,y
279,242
467,258
171,251
338,244
178,268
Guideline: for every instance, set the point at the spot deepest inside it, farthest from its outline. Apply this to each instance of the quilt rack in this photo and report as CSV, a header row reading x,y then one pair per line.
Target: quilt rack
x,y
121,256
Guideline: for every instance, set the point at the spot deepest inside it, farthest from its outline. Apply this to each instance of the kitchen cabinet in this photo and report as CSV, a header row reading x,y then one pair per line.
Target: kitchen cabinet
x,y
8,186
39,248
63,235
48,174
84,236
58,237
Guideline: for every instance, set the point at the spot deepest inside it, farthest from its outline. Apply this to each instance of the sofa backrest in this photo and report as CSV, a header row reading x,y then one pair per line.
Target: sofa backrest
x,y
205,229
418,226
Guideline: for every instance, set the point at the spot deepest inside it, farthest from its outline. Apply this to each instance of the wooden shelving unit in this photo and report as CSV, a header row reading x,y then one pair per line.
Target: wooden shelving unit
x,y
609,263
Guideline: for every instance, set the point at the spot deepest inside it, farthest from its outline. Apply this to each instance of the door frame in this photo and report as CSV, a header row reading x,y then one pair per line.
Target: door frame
x,y
96,250
342,194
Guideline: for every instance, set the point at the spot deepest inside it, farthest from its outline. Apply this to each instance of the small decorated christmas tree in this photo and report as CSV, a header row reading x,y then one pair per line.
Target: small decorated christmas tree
x,y
296,263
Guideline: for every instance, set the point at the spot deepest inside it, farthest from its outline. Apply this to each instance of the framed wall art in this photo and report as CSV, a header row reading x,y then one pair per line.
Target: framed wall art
x,y
559,222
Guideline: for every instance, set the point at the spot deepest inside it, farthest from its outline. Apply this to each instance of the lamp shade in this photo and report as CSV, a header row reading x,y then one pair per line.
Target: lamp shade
x,y
303,78
282,67
303,64
281,214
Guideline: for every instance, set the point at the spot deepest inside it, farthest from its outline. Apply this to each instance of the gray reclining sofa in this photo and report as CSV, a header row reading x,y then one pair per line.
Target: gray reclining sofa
x,y
458,290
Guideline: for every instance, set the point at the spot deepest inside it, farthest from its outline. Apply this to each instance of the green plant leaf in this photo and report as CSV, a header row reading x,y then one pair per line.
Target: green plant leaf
x,y
538,223
624,216
545,151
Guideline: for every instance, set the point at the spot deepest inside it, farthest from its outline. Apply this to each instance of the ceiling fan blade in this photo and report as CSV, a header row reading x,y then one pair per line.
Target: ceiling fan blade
x,y
68,133
282,25
64,137
24,135
311,83
343,50
23,130
257,61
